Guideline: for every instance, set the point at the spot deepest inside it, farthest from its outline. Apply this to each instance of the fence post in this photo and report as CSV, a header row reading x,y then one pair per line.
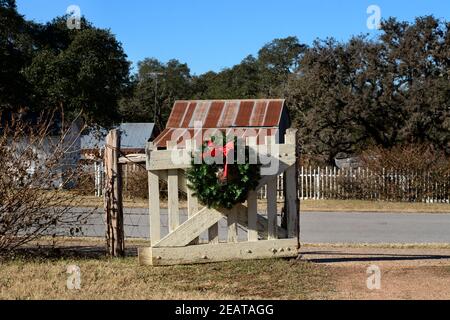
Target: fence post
x,y
115,239
301,185
96,179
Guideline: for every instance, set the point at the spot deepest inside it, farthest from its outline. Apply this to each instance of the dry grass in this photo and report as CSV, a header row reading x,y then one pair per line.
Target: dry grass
x,y
325,272
373,206
105,278
305,205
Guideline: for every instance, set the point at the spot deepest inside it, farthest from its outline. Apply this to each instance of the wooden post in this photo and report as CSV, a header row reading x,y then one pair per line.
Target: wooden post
x,y
272,208
192,203
292,204
252,212
232,219
113,196
153,199
213,233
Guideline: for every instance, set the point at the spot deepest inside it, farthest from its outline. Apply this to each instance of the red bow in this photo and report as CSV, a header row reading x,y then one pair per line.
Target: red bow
x,y
224,150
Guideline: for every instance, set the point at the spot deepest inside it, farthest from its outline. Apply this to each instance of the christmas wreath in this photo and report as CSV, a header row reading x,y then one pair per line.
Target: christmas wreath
x,y
222,184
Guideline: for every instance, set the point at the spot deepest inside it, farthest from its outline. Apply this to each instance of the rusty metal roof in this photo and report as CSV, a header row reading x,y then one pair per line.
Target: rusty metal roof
x,y
260,117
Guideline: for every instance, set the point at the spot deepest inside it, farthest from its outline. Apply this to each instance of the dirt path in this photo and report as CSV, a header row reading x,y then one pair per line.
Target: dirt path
x,y
405,273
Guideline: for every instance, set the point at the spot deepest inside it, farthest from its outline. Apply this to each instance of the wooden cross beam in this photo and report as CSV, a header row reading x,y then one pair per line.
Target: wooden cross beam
x,y
205,218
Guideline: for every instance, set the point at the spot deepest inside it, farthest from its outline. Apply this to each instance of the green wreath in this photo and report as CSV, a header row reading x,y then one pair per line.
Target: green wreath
x,y
222,185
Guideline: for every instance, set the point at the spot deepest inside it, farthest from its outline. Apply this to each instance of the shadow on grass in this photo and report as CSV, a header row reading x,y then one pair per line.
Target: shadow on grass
x,y
338,256
49,252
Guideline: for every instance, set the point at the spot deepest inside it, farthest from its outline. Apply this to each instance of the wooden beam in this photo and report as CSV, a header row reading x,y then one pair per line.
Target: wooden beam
x,y
213,233
262,222
206,218
133,158
232,221
190,229
115,238
169,159
272,208
286,158
192,203
252,216
172,199
291,202
154,208
157,256
181,159
162,174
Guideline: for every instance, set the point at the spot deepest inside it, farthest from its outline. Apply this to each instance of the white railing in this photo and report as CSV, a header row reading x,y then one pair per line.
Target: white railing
x,y
316,183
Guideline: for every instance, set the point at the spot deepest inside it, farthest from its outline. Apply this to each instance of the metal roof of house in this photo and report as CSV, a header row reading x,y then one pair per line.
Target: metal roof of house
x,y
260,117
134,136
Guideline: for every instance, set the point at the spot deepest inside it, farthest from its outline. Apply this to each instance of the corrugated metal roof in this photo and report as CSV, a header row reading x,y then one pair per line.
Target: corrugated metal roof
x,y
264,115
226,113
181,134
134,136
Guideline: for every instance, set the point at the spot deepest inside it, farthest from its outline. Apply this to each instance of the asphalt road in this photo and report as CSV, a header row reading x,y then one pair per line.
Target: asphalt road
x,y
317,227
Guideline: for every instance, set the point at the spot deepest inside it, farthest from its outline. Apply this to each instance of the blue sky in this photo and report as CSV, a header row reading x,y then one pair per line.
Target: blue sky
x,y
214,34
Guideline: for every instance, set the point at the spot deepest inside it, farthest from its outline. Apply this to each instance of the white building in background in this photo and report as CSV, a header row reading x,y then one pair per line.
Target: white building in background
x,y
134,138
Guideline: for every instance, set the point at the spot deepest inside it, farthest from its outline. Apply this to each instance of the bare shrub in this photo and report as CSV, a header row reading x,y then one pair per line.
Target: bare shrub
x,y
135,183
415,172
84,182
38,163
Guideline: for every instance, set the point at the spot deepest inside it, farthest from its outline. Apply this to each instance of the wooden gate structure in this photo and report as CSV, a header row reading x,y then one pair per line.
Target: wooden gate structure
x,y
268,236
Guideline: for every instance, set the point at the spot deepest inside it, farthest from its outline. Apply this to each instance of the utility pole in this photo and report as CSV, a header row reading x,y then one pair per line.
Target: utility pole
x,y
154,75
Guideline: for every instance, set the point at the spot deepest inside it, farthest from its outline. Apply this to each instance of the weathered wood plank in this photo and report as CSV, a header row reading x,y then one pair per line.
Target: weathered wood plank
x,y
192,203
113,195
252,214
206,218
262,222
213,233
191,228
154,209
133,158
232,220
162,174
192,208
272,208
291,202
290,136
285,158
181,159
169,159
172,201
281,248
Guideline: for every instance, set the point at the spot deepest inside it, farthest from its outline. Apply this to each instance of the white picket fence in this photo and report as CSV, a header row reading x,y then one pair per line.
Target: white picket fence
x,y
360,183
316,183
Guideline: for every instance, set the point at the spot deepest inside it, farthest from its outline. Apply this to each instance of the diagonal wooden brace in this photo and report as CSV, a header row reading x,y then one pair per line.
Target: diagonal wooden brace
x,y
205,218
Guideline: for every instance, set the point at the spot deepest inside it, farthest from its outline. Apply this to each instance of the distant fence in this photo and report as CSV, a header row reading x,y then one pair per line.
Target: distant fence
x,y
328,183
361,183
134,178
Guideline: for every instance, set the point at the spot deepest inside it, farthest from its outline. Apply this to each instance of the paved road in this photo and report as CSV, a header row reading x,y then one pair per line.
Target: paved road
x,y
355,227
319,227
